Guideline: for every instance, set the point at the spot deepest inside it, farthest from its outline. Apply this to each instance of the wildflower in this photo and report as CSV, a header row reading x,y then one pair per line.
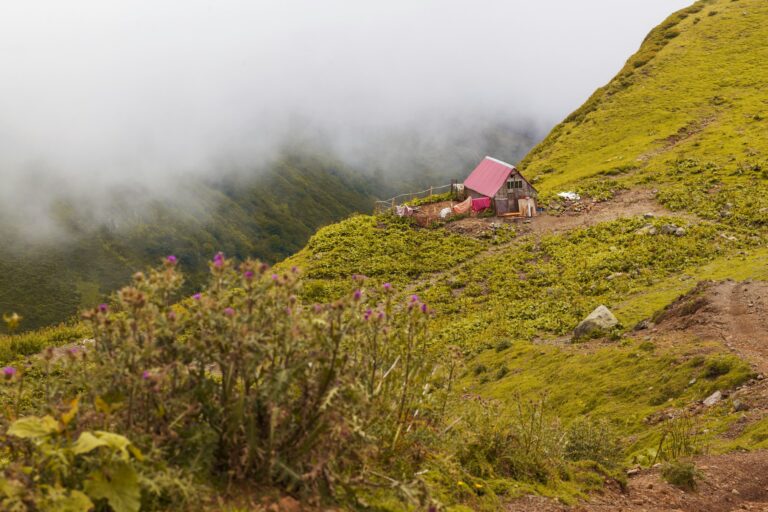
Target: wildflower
x,y
146,375
357,295
424,308
218,260
171,315
172,259
387,286
9,372
460,483
229,312
248,274
288,311
263,268
275,277
103,308
381,315
72,352
368,313
295,269
318,308
414,298
478,486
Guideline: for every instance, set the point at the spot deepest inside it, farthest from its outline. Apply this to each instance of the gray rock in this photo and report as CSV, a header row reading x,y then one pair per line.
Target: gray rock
x,y
668,229
680,232
648,229
648,215
713,399
601,320
739,406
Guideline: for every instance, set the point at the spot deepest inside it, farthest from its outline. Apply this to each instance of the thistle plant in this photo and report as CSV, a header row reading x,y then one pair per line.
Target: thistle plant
x,y
245,380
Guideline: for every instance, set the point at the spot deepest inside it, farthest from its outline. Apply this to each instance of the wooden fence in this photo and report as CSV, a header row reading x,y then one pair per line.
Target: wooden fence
x,y
390,204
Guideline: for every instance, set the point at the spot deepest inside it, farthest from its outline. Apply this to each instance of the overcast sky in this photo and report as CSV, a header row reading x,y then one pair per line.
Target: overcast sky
x,y
105,89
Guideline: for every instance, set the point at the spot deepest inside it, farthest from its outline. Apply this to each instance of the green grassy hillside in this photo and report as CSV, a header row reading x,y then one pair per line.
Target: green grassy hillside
x,y
686,114
685,119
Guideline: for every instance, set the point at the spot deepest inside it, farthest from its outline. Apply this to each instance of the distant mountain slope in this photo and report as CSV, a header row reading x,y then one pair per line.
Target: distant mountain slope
x,y
688,112
269,215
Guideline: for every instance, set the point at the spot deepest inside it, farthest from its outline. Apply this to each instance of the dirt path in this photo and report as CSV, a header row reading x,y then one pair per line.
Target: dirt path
x,y
631,203
737,314
735,481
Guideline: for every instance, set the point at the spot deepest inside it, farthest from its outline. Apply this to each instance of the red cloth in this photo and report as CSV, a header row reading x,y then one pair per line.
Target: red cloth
x,y
481,203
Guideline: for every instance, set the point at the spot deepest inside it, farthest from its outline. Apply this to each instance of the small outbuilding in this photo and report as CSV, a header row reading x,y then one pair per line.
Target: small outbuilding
x,y
503,185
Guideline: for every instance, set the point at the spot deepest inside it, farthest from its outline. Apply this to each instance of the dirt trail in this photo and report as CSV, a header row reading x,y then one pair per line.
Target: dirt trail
x,y
735,313
631,203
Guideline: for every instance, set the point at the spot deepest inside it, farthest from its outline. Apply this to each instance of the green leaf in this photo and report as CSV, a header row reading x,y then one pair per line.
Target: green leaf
x,y
115,441
86,443
33,427
119,485
59,500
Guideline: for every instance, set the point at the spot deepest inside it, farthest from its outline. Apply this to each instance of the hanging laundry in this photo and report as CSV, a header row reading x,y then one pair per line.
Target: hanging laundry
x,y
481,203
403,211
463,207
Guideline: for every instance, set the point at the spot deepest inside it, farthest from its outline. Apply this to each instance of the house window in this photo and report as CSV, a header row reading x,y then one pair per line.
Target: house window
x,y
513,183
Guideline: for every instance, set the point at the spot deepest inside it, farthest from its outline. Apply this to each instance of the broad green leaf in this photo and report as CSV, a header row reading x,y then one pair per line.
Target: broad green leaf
x,y
115,441
60,500
33,427
86,443
120,488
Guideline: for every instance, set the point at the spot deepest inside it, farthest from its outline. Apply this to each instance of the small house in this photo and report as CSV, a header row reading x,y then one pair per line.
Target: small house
x,y
501,184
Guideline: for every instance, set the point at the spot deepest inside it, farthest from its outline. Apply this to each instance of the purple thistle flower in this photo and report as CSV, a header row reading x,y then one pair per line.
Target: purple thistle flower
x,y
248,274
218,260
424,308
229,312
103,308
381,315
288,311
387,286
197,296
172,259
295,269
145,375
275,277
9,372
414,298
357,295
368,313
263,268
318,308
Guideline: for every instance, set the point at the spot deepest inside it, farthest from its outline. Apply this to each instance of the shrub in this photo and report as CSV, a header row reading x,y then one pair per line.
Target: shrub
x,y
246,381
524,443
717,367
680,474
587,439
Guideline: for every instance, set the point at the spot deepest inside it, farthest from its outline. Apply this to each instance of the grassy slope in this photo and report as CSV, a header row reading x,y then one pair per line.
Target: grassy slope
x,y
687,113
685,116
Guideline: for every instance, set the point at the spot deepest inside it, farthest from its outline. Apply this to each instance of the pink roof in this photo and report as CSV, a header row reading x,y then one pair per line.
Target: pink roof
x,y
489,176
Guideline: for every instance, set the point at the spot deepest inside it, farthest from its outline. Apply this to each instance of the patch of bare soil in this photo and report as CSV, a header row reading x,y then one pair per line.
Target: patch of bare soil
x,y
581,214
735,481
735,313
